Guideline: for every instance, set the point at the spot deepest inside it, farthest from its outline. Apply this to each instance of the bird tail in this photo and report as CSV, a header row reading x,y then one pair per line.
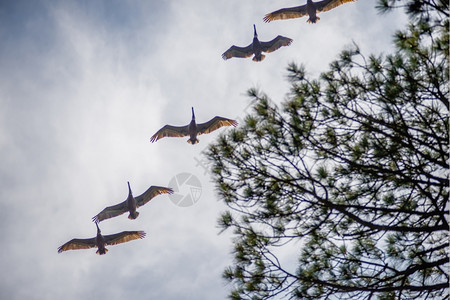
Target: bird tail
x,y
101,251
261,58
313,21
190,142
132,217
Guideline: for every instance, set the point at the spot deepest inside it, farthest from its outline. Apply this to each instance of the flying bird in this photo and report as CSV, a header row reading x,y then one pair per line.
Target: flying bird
x,y
256,47
131,203
193,129
310,8
100,241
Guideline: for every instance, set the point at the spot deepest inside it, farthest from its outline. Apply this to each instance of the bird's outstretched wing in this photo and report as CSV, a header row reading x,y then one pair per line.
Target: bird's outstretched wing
x,y
236,51
327,5
286,13
215,123
276,43
123,237
111,212
172,131
150,193
78,244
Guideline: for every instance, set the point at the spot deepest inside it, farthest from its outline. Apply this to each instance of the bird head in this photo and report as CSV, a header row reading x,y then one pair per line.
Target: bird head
x,y
193,115
254,29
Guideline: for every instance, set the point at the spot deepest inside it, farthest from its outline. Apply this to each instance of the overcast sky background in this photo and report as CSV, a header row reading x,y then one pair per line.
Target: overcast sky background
x,y
83,86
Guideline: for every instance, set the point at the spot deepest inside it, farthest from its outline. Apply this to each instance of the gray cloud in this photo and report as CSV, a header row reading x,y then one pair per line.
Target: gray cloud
x,y
84,85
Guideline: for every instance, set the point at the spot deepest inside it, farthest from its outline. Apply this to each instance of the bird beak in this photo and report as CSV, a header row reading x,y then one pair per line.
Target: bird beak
x,y
193,116
254,28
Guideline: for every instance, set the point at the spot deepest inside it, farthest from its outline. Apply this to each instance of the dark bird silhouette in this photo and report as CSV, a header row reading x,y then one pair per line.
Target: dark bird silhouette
x,y
256,47
193,129
310,8
100,241
131,203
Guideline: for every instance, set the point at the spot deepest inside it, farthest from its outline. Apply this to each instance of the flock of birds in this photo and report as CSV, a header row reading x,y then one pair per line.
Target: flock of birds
x,y
193,130
310,9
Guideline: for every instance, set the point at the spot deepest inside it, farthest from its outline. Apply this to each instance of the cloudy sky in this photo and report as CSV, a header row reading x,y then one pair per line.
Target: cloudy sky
x,y
83,86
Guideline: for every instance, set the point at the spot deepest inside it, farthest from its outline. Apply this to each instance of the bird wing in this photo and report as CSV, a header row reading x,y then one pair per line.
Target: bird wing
x,y
236,51
214,124
169,130
78,244
286,13
327,5
276,43
152,191
111,212
123,237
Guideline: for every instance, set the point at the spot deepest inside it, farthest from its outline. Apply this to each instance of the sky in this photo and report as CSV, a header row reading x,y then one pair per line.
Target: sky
x,y
83,87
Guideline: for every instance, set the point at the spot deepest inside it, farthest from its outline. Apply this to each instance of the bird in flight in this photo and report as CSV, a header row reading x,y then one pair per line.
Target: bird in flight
x,y
310,8
256,47
192,129
100,241
131,203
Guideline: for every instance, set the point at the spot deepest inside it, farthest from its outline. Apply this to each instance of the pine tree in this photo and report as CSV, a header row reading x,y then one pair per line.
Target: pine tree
x,y
351,170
